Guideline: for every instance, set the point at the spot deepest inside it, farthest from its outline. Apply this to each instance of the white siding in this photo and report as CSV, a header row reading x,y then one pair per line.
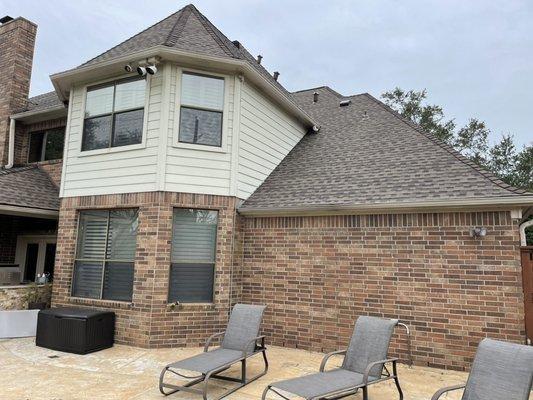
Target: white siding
x,y
266,136
121,170
199,170
257,135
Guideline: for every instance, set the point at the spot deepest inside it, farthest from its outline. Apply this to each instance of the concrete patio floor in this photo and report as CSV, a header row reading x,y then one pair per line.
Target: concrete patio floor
x,y
123,372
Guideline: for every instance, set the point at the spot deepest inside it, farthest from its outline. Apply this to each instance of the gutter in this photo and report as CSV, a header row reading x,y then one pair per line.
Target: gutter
x,y
29,211
63,80
32,113
497,203
11,149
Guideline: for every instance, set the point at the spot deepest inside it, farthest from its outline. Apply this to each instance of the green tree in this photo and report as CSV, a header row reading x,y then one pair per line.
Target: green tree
x,y
502,159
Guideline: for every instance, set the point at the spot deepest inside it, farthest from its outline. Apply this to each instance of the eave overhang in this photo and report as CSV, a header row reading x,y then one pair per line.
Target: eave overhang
x,y
33,116
32,212
471,204
64,81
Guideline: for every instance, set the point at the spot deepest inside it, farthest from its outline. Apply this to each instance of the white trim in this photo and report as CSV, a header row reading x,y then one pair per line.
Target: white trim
x,y
235,138
65,147
29,212
20,253
225,113
160,178
497,203
63,80
136,146
41,115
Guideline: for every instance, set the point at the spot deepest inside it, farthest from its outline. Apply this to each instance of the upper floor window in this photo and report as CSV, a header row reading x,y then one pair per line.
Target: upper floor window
x,y
47,145
202,104
114,114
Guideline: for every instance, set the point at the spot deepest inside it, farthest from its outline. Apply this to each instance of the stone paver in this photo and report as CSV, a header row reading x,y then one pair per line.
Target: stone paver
x,y
124,373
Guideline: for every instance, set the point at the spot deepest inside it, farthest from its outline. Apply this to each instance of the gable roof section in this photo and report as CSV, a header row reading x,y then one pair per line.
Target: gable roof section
x,y
28,187
366,155
43,102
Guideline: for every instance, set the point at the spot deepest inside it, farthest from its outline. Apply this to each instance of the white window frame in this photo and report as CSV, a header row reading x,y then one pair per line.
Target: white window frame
x,y
225,113
136,146
20,252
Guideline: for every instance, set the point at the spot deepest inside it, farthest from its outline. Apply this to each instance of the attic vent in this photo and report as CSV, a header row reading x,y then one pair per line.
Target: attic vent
x,y
276,75
5,19
237,44
259,58
345,103
315,97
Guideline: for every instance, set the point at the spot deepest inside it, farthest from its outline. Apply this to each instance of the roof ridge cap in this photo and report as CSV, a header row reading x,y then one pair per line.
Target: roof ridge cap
x,y
215,33
177,29
480,170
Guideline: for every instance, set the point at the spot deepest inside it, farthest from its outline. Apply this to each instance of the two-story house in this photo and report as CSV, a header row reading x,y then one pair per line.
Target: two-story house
x,y
173,175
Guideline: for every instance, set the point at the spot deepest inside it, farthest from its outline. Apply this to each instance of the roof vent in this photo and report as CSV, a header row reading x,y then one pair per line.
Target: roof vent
x,y
315,97
276,75
237,44
259,58
5,19
345,103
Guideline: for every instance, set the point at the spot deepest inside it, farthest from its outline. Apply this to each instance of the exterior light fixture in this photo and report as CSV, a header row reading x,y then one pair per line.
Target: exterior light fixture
x,y
478,232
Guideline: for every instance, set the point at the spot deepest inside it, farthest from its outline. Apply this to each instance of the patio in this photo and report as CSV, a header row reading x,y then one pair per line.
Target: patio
x,y
123,372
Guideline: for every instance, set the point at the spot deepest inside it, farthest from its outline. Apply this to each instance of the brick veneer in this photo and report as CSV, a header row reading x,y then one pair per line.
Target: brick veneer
x,y
317,274
17,40
148,320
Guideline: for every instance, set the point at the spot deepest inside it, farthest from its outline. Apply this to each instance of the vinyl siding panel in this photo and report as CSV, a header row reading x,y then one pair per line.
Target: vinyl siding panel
x,y
199,170
121,170
267,135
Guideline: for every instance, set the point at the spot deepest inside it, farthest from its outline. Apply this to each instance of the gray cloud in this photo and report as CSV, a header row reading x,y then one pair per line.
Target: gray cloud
x,y
474,57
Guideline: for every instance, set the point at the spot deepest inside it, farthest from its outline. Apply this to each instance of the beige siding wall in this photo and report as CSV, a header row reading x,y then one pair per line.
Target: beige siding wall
x,y
257,135
266,136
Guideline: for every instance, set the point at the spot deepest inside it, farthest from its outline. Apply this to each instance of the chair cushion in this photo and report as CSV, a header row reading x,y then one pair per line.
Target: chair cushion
x,y
209,361
321,383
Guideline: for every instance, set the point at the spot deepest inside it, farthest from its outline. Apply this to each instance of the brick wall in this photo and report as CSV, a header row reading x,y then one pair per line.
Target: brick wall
x,y
23,132
148,320
17,40
53,169
317,274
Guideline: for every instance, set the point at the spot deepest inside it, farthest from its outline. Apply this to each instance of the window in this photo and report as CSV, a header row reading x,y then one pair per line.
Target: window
x,y
105,255
114,114
47,145
194,237
202,103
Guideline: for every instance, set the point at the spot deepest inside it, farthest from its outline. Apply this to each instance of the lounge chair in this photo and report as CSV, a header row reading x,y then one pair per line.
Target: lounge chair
x,y
240,342
363,365
500,370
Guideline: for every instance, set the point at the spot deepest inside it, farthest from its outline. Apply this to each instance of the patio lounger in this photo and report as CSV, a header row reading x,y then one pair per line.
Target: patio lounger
x,y
239,343
500,370
363,365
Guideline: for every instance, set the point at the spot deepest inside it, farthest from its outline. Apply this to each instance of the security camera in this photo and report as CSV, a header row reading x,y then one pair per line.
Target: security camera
x,y
128,68
151,69
141,71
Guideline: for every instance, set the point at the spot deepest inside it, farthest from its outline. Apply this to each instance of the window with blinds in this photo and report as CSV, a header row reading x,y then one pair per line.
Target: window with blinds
x,y
105,255
194,237
202,104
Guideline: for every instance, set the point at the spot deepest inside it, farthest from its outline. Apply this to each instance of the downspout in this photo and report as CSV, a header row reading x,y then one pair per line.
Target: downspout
x,y
11,149
523,226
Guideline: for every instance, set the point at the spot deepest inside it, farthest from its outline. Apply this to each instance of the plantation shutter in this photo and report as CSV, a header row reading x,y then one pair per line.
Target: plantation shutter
x,y
193,255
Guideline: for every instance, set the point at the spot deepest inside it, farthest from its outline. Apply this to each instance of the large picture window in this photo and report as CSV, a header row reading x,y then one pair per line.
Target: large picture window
x,y
202,104
114,114
105,255
47,145
194,237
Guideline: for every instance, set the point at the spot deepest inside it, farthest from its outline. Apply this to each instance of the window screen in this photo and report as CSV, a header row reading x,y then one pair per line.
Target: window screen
x,y
105,255
114,114
202,104
194,236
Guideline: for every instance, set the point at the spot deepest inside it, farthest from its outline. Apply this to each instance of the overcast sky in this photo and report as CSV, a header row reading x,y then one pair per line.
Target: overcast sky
x,y
474,57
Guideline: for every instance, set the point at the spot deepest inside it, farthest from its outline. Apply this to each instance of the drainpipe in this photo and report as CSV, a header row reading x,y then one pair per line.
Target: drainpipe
x,y
11,150
523,227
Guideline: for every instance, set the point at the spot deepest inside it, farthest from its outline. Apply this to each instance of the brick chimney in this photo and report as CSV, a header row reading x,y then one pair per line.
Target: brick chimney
x,y
17,41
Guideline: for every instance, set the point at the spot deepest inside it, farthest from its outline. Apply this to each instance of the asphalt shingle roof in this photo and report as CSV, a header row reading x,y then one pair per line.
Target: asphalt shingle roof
x,y
42,102
365,153
28,187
